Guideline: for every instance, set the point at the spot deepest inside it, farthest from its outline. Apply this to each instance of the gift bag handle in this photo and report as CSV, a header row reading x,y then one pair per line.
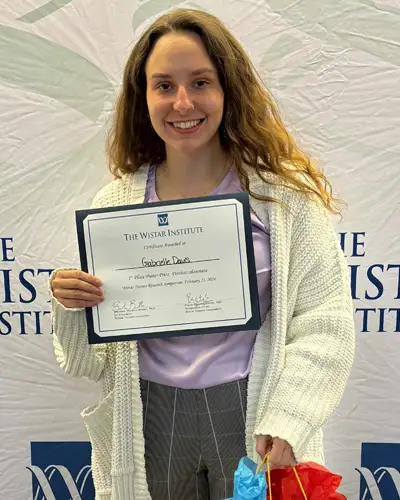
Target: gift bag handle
x,y
266,460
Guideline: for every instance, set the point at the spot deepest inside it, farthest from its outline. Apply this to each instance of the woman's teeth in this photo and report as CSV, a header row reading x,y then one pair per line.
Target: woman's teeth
x,y
190,124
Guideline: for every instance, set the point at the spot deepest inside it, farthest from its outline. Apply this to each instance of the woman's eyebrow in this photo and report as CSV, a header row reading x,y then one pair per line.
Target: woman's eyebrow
x,y
194,73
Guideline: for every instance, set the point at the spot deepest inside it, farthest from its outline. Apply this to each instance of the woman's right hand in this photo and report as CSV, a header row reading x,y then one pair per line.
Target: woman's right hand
x,y
74,288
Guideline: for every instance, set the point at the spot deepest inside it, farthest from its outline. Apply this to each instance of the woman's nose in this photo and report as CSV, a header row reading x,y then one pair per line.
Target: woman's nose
x,y
182,103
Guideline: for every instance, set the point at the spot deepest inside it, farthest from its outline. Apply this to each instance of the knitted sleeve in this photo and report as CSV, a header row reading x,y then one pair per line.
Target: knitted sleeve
x,y
320,337
70,340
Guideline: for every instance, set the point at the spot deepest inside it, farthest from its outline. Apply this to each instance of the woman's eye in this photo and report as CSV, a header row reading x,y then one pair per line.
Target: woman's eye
x,y
164,86
201,83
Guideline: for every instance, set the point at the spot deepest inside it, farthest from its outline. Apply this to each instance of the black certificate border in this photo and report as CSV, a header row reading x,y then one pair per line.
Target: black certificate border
x,y
254,323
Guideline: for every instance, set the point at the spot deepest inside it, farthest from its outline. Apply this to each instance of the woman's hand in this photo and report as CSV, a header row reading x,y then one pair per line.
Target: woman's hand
x,y
281,453
74,288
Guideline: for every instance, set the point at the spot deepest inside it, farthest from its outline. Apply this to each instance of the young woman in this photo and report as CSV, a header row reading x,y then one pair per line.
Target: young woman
x,y
177,414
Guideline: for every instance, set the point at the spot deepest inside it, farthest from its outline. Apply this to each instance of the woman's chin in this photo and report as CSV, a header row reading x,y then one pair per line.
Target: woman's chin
x,y
190,144
187,145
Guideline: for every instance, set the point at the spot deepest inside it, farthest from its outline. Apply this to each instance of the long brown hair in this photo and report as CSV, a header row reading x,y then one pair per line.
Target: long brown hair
x,y
252,130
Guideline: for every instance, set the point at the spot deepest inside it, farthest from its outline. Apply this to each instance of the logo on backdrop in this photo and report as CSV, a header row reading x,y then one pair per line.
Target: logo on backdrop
x,y
19,293
380,471
375,287
162,219
61,471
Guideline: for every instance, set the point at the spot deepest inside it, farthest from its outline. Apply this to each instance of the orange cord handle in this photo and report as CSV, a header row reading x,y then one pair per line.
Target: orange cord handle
x,y
266,460
301,486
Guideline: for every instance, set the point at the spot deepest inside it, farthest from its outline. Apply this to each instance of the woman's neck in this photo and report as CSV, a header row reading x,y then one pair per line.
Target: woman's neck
x,y
190,175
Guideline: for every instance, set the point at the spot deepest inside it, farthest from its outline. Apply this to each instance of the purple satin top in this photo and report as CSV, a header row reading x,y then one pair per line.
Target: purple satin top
x,y
201,361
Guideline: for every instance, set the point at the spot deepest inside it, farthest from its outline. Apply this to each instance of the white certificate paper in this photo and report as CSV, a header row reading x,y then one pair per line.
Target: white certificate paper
x,y
176,268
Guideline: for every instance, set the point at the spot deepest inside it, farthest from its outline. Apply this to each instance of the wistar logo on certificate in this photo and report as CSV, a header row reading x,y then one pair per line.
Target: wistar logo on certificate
x,y
162,219
181,267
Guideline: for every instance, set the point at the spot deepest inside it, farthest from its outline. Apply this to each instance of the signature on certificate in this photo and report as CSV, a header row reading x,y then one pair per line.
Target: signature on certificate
x,y
198,300
127,305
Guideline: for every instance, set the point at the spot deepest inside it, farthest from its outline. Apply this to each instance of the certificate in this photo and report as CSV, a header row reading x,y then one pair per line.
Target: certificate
x,y
182,267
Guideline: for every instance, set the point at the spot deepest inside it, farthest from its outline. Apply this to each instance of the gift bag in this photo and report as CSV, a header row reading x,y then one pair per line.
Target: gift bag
x,y
249,484
307,481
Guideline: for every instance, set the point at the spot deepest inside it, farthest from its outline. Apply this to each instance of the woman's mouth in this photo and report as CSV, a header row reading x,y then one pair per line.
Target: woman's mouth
x,y
187,126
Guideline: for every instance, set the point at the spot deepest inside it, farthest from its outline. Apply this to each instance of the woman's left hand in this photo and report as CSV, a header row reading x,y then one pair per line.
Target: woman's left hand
x,y
281,453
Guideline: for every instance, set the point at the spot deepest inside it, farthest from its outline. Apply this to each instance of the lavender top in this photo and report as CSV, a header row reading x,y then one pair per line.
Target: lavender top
x,y
201,361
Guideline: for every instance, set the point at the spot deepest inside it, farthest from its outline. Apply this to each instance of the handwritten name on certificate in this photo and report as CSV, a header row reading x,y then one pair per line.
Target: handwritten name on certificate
x,y
184,267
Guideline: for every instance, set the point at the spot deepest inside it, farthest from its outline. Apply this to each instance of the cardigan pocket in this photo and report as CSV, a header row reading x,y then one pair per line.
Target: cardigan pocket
x,y
98,420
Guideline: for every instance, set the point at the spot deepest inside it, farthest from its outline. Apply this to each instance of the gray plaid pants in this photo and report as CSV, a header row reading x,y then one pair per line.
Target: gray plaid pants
x,y
194,439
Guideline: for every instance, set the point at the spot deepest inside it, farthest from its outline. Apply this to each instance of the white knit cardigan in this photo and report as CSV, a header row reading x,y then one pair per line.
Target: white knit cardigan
x,y
302,356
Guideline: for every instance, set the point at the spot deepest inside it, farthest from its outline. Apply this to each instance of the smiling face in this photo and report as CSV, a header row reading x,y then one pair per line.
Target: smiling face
x,y
184,96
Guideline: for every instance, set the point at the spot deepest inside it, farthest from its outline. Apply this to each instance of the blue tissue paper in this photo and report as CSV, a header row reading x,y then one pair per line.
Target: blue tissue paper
x,y
248,485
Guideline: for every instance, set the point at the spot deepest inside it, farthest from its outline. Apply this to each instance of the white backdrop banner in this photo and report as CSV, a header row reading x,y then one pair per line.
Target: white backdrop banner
x,y
334,69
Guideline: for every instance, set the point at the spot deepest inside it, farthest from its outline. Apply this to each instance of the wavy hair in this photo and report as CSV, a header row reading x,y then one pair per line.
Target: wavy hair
x,y
251,131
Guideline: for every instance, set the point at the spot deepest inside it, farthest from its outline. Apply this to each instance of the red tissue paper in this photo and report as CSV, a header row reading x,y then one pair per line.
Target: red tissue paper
x,y
317,481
